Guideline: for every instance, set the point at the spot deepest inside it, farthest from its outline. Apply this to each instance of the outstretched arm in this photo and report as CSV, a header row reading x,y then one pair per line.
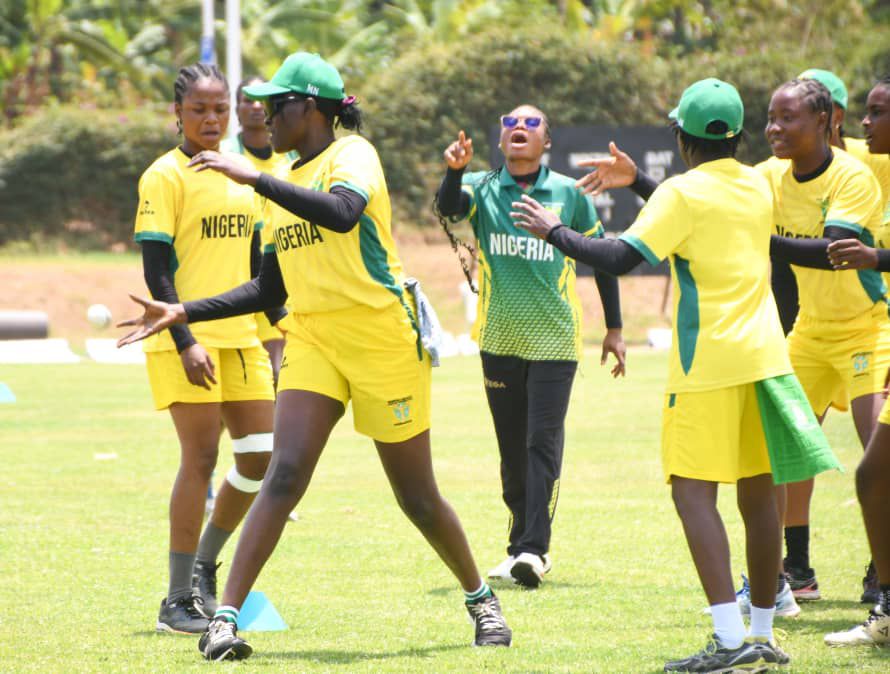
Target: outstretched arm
x,y
618,170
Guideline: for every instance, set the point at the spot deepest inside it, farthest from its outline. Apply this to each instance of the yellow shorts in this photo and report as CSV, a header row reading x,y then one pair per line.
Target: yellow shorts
x,y
839,361
371,356
713,435
265,330
241,374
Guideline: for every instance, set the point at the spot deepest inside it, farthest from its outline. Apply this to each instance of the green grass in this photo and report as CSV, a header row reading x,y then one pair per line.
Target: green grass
x,y
83,541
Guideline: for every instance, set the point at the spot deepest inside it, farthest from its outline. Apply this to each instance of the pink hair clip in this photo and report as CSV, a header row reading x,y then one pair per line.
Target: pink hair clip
x,y
349,100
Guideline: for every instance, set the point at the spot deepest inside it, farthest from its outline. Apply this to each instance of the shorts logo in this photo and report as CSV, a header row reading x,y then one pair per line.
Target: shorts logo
x,y
401,408
491,383
860,362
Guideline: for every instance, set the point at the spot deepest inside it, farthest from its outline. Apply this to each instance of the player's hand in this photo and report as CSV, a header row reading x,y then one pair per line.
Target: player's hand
x,y
614,344
459,153
157,316
619,170
235,170
852,254
532,216
198,365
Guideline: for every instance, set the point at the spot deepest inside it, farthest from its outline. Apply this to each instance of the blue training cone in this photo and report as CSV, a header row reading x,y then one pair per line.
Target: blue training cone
x,y
258,615
6,394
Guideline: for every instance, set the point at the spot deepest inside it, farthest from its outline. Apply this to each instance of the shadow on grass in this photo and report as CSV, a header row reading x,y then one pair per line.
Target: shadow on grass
x,y
336,657
501,586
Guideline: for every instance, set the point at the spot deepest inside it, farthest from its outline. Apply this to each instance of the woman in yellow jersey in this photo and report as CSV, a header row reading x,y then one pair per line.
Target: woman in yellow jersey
x,y
332,253
873,473
729,370
824,194
196,233
253,143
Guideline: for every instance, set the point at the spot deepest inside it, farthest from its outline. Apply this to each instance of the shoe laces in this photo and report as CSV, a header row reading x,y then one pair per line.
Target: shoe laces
x,y
189,605
487,616
222,626
207,572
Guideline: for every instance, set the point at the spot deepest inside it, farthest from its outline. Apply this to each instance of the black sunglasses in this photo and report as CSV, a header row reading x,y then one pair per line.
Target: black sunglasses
x,y
274,105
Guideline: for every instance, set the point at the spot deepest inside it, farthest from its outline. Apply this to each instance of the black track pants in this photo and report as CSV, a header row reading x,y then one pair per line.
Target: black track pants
x,y
528,402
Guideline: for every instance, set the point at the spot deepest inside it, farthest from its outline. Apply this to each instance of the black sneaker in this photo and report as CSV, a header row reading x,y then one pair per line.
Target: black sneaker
x,y
491,628
803,583
716,658
204,585
871,590
770,651
221,642
181,615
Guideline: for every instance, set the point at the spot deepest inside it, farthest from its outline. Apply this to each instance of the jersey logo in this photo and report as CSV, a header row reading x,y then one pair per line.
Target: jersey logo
x,y
402,410
146,208
823,207
297,235
527,247
860,362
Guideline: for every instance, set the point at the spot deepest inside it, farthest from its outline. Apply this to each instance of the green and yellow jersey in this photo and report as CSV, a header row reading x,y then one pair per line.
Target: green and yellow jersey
x,y
880,166
714,223
209,221
845,195
528,307
325,270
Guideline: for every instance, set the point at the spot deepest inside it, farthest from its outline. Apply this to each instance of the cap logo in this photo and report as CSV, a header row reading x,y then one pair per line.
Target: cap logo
x,y
312,89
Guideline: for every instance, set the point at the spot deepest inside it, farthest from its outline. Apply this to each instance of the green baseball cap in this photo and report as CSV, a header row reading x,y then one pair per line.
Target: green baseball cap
x,y
830,81
301,73
706,101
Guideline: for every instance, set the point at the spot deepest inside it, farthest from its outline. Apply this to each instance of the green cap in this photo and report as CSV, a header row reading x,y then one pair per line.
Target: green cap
x,y
301,73
706,101
832,82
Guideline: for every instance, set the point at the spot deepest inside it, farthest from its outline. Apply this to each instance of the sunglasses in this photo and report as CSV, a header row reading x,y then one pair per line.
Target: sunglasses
x,y
511,122
274,105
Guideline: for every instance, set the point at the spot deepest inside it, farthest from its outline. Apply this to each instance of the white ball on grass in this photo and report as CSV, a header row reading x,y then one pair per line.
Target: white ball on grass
x,y
99,316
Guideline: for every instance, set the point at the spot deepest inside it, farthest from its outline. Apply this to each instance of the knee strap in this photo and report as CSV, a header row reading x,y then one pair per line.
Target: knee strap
x,y
241,483
255,442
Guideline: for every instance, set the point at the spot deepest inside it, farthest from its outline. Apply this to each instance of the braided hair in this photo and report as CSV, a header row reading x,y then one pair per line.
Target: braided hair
x,y
188,75
815,96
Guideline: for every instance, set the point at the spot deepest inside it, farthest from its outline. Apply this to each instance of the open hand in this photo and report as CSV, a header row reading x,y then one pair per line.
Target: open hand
x,y
235,170
157,316
852,254
459,153
619,170
614,344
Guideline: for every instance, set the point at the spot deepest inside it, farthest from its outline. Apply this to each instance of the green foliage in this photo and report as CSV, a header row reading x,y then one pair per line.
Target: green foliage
x,y
418,105
71,174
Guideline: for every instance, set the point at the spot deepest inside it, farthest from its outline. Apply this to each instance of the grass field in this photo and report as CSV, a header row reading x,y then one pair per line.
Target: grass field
x,y
83,541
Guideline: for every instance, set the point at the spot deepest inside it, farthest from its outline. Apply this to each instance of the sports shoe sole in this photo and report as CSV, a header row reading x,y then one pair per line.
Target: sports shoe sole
x,y
241,651
806,594
524,574
164,628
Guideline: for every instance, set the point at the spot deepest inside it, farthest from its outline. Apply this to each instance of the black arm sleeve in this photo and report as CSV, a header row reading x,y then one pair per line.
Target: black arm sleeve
x,y
337,210
609,255
256,263
607,285
812,253
785,291
643,185
451,199
159,279
262,293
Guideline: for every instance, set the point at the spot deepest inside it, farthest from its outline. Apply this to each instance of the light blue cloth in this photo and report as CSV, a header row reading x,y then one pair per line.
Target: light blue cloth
x,y
427,321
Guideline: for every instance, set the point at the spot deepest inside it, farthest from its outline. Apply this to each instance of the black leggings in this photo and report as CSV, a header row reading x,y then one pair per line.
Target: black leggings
x,y
528,402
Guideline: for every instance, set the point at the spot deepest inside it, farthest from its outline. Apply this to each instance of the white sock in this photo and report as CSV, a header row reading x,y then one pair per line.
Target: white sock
x,y
728,624
762,622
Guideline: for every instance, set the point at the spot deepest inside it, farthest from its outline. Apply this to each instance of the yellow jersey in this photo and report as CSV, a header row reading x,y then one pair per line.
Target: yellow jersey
x,y
714,223
269,165
324,270
209,221
845,195
879,165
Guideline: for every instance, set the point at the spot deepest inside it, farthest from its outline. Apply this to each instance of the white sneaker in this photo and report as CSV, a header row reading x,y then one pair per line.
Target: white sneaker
x,y
873,632
548,563
528,569
786,605
502,570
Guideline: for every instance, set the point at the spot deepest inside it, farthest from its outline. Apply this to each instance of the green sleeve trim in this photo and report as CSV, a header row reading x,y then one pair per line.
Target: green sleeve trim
x,y
139,237
641,248
269,248
844,224
353,188
258,225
